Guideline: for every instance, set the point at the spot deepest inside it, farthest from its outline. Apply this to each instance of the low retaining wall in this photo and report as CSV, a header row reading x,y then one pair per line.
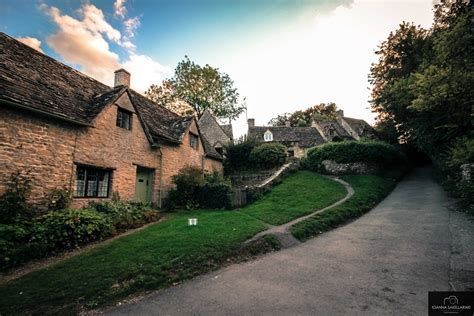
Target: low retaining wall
x,y
334,168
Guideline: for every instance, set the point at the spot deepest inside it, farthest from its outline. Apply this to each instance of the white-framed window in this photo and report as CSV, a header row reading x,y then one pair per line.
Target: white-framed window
x,y
268,136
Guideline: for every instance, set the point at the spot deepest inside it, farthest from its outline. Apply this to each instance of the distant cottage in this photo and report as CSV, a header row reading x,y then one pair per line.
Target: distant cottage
x,y
299,139
71,131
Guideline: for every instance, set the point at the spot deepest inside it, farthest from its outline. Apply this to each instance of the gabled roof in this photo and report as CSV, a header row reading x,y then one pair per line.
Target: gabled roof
x,y
340,131
35,81
227,128
304,136
361,127
213,132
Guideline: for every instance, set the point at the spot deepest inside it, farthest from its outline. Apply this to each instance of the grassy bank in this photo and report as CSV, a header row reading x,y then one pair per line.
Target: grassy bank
x,y
300,194
164,253
150,259
369,190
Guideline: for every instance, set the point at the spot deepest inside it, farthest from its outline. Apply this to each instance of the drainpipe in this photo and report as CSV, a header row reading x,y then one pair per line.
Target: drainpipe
x,y
160,201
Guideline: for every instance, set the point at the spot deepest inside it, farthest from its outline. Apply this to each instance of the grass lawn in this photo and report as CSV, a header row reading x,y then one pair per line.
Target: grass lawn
x,y
156,257
369,190
164,253
298,195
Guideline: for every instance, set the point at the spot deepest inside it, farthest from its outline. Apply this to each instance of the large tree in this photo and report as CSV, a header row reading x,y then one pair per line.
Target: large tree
x,y
423,82
320,111
203,88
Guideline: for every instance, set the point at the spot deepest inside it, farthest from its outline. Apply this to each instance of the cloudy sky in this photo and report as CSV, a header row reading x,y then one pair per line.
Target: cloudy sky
x,y
283,55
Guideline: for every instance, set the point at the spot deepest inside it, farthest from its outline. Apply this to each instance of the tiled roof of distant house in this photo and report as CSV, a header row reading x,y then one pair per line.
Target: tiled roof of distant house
x,y
361,127
227,128
35,81
304,136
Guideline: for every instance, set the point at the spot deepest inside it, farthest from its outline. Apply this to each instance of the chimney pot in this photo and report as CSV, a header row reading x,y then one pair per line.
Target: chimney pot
x,y
251,122
122,78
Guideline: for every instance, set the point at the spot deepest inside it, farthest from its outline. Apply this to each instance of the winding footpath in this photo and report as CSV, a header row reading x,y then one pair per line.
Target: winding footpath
x,y
384,263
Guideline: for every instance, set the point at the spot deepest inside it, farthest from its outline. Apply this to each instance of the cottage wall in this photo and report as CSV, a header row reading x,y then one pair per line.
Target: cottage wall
x,y
109,146
211,165
37,144
178,157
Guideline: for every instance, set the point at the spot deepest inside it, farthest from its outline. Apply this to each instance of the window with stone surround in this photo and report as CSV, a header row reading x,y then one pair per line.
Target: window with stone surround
x,y
193,141
124,119
92,182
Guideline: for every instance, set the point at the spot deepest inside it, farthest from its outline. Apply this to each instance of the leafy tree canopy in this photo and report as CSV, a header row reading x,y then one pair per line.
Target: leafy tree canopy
x,y
322,111
423,81
194,88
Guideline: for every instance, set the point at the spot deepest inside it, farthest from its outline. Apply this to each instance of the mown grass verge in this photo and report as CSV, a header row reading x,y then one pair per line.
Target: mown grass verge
x,y
299,194
159,256
369,190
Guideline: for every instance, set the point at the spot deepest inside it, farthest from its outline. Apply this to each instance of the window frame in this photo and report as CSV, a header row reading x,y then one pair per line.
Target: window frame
x,y
120,122
89,172
193,137
269,138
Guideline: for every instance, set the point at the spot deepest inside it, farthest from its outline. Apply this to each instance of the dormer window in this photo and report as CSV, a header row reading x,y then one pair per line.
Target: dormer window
x,y
268,136
124,119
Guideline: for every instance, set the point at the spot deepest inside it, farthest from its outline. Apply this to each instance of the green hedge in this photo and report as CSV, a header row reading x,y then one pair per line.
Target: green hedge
x,y
65,229
194,189
268,155
369,190
368,151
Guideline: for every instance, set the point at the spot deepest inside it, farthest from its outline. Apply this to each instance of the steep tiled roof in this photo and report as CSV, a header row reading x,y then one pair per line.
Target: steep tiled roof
x,y
38,82
212,130
340,131
227,128
361,127
209,150
305,136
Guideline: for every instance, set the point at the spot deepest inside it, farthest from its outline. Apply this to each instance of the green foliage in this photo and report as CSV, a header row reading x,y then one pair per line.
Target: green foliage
x,y
422,83
322,111
150,259
69,228
237,155
195,189
215,192
368,151
13,203
369,190
202,88
268,155
461,152
59,199
125,215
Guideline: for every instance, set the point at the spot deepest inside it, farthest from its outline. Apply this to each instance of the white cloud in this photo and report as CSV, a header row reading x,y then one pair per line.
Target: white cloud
x,y
82,42
145,71
119,8
32,42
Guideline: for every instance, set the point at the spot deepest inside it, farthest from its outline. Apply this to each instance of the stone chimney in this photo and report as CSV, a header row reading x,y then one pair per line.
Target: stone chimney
x,y
122,78
339,113
251,122
287,124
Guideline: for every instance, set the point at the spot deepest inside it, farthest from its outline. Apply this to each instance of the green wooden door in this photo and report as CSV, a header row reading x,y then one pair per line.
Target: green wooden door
x,y
143,185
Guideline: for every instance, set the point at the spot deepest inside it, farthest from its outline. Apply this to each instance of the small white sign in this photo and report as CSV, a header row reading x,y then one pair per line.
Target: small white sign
x,y
192,221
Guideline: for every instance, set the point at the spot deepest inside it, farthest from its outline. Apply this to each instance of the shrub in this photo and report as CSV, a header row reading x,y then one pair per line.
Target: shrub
x,y
237,155
59,199
194,189
186,192
125,215
268,155
70,228
368,151
13,203
215,192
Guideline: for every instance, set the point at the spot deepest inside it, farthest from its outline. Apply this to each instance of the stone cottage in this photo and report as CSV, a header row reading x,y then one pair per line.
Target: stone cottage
x,y
71,131
299,139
